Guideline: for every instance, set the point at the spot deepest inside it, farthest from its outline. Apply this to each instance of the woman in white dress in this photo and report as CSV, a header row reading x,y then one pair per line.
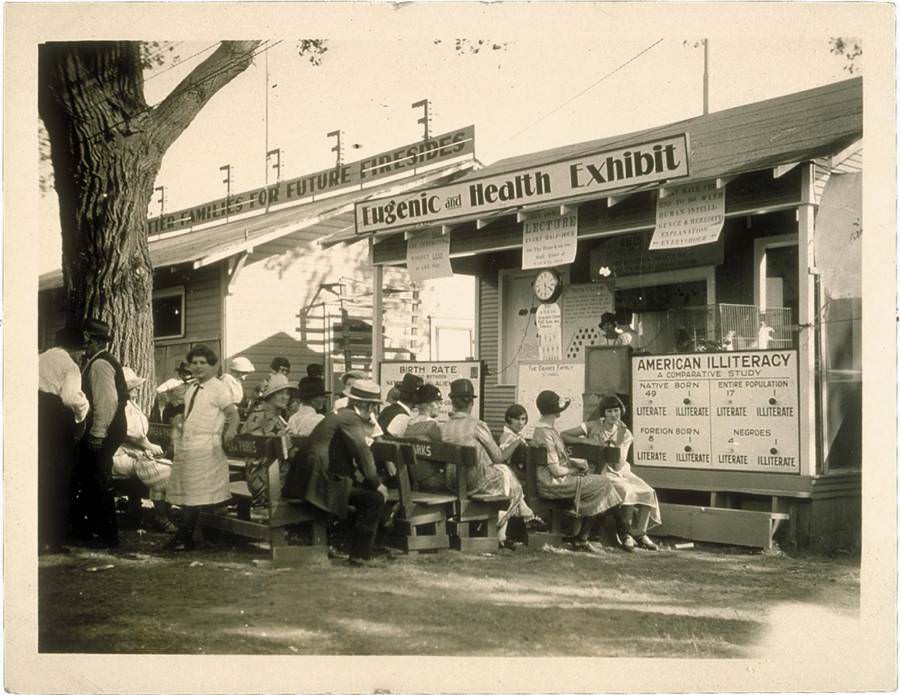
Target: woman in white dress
x,y
200,469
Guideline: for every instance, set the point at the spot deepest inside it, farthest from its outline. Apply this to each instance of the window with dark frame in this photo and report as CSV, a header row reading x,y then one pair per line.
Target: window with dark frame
x,y
168,313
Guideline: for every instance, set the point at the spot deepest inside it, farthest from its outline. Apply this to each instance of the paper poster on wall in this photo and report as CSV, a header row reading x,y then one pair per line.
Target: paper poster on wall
x,y
721,411
549,326
549,239
566,378
689,215
439,374
428,256
582,306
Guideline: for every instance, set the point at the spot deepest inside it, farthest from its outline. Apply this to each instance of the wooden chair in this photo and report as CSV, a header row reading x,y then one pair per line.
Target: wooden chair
x,y
473,527
420,520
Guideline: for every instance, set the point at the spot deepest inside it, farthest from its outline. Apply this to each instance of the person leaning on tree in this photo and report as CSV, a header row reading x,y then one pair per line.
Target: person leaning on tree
x,y
103,382
62,409
200,469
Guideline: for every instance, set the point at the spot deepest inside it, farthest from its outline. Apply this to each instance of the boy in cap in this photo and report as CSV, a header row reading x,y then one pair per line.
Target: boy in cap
x,y
62,407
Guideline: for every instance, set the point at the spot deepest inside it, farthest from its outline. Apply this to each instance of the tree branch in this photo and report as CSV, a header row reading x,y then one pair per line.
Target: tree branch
x,y
177,110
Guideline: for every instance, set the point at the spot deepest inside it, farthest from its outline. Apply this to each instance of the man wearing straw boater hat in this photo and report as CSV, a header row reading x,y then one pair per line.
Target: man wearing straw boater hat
x,y
103,382
340,469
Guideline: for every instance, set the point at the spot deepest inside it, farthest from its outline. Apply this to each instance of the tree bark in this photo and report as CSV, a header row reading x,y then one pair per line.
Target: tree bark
x,y
106,146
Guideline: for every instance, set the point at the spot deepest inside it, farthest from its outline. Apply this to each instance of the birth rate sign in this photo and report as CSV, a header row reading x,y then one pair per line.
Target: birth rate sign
x,y
722,411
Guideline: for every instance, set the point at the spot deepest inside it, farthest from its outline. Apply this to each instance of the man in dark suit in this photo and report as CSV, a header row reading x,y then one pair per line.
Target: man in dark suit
x,y
394,419
103,382
340,470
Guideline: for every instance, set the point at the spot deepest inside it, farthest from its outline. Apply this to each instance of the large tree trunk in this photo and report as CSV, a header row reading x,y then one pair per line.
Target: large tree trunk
x,y
106,146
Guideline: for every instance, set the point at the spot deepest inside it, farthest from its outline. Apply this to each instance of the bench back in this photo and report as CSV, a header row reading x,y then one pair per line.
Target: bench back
x,y
537,456
446,454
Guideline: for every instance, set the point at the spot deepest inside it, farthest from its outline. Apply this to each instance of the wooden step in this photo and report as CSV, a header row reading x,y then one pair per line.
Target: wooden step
x,y
719,525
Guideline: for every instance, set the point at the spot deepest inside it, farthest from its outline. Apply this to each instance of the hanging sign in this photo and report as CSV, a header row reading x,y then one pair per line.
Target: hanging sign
x,y
549,239
439,374
689,215
399,160
549,326
722,411
658,160
428,256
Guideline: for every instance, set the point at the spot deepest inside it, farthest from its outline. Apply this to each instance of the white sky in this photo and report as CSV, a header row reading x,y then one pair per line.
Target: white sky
x,y
365,88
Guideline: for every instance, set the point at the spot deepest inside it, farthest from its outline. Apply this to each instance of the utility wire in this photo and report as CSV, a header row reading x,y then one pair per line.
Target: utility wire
x,y
176,63
583,91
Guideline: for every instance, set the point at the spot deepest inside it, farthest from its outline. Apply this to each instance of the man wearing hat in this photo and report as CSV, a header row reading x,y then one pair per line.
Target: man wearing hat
x,y
340,470
347,380
238,370
394,419
103,382
311,392
610,333
62,407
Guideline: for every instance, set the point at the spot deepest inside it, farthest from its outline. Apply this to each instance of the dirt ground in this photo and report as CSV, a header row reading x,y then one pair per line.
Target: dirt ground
x,y
705,602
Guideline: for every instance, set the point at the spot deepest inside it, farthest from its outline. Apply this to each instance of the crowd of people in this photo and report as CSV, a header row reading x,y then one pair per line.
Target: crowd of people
x,y
90,431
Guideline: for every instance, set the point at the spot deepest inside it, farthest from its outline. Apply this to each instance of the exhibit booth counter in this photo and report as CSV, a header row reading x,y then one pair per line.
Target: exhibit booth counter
x,y
723,254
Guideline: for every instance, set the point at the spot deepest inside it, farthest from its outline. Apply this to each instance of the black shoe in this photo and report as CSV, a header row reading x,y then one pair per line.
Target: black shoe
x,y
537,524
508,544
179,545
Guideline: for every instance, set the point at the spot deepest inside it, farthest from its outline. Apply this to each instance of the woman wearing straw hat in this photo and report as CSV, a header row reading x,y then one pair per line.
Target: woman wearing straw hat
x,y
640,507
140,458
266,420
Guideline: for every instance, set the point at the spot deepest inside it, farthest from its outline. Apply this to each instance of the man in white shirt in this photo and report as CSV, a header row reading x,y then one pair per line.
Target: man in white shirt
x,y
62,408
312,394
611,335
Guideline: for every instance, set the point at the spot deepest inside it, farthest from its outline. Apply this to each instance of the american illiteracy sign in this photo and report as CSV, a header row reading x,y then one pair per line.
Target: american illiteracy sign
x,y
722,411
658,160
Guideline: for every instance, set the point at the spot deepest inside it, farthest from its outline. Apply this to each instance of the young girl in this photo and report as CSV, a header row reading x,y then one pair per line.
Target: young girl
x,y
639,504
563,477
516,418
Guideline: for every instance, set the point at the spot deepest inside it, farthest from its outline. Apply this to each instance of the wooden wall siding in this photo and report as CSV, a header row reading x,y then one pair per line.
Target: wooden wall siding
x,y
497,398
853,164
202,302
749,193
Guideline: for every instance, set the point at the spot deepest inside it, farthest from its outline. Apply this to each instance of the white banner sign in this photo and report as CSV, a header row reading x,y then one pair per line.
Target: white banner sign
x,y
549,326
549,239
689,216
659,160
439,374
722,411
428,256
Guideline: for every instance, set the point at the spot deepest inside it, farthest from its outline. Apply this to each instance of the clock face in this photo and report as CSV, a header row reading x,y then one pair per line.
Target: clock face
x,y
546,285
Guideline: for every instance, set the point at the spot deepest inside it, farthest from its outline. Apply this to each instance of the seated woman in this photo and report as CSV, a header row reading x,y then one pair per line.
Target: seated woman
x,y
266,420
424,424
140,458
516,417
563,477
639,507
489,475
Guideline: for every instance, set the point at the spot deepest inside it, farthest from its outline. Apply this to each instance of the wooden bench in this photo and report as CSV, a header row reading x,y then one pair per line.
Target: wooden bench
x,y
558,513
473,526
420,520
295,530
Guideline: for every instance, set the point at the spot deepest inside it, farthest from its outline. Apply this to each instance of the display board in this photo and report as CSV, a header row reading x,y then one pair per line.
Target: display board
x,y
608,369
722,411
440,374
582,307
566,378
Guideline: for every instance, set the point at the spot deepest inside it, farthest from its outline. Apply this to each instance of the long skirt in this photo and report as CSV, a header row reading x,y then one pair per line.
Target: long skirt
x,y
199,472
634,491
592,494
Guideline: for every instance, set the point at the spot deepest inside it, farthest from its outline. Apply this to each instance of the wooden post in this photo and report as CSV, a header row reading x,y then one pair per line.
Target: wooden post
x,y
377,304
806,319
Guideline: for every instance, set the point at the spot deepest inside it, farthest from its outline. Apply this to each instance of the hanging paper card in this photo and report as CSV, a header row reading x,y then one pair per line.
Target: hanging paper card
x,y
549,326
689,216
549,239
428,256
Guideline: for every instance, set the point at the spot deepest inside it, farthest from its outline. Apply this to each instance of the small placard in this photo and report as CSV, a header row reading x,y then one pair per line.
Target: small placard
x,y
689,215
428,256
549,239
549,326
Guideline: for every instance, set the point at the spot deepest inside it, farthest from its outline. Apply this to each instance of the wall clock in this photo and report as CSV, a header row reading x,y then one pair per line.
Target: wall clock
x,y
547,285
